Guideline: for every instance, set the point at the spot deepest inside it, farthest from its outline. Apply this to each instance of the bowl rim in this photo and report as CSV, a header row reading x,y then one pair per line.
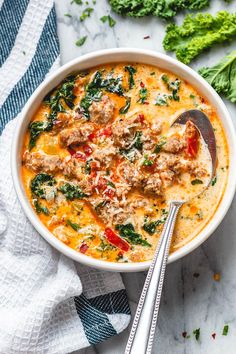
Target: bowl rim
x,y
49,83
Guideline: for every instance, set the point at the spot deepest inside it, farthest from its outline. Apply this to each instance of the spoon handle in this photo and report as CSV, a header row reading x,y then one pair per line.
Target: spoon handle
x,y
144,324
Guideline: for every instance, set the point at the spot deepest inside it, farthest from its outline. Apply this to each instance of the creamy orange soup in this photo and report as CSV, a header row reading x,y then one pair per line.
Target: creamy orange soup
x,y
100,161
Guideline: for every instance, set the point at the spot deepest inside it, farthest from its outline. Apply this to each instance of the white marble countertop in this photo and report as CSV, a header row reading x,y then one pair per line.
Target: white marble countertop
x,y
188,302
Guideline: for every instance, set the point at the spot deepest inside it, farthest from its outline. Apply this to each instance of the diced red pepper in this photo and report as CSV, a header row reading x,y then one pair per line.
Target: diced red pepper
x,y
91,136
141,118
192,138
106,131
109,193
71,151
192,147
87,150
83,248
80,155
116,240
142,84
146,102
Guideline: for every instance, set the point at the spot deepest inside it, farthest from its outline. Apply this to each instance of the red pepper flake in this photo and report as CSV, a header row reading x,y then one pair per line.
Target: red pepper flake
x,y
146,37
83,248
196,275
146,102
213,335
116,240
142,84
184,334
87,150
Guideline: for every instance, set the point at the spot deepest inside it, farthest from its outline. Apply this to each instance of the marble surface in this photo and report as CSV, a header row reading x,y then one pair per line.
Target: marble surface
x,y
188,302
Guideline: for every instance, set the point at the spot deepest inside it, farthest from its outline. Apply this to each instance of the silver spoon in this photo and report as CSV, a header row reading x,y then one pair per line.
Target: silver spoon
x,y
143,329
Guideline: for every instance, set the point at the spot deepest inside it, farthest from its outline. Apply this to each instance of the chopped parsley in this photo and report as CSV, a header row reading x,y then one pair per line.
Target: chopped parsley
x,y
147,162
68,15
77,2
109,19
72,191
81,41
127,231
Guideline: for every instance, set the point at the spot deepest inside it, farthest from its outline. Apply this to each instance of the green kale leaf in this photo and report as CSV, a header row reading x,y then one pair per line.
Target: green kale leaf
x,y
35,129
40,183
131,70
198,33
127,231
72,192
222,76
161,8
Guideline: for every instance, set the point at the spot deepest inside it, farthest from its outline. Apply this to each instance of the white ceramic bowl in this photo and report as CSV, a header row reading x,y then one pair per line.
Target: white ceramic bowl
x,y
122,55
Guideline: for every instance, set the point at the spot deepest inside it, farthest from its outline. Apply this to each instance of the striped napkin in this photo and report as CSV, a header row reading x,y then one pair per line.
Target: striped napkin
x,y
48,304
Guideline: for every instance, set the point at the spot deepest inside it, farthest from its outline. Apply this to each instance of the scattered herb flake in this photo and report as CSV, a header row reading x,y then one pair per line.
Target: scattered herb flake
x,y
109,19
68,15
225,330
81,41
196,333
86,13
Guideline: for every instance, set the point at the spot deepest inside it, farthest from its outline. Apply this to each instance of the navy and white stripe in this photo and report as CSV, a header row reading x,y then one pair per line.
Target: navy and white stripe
x,y
29,50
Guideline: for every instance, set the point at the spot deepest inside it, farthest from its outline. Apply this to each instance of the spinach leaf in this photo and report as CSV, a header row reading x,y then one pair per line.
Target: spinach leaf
x,y
127,231
35,129
126,107
131,70
196,181
173,86
74,226
151,227
138,142
143,93
94,89
159,146
39,184
61,98
40,208
162,99
72,191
